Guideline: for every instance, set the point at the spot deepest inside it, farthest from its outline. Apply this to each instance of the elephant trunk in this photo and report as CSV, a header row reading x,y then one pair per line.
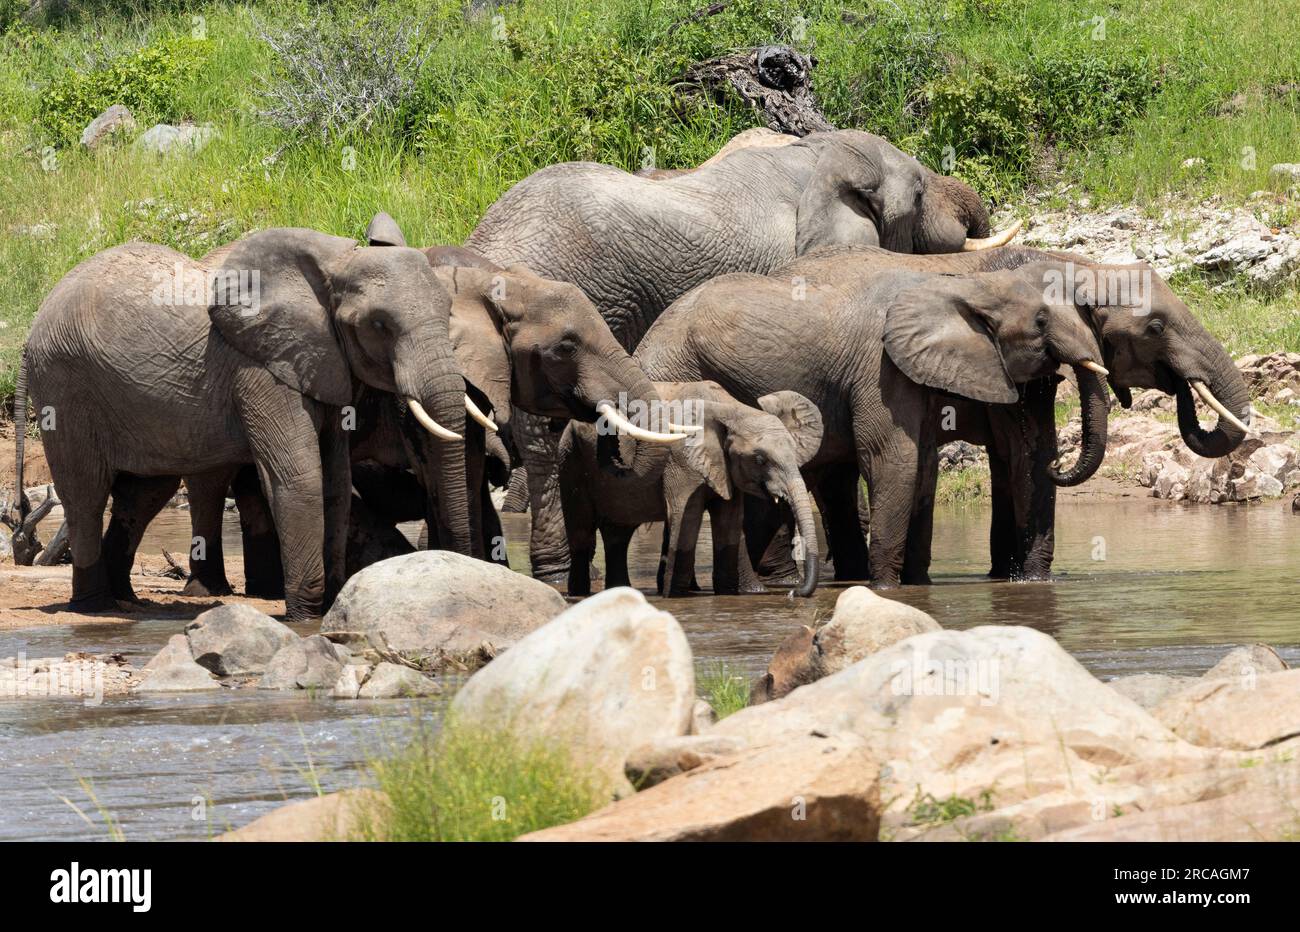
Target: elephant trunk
x,y
801,502
1095,411
1225,388
426,374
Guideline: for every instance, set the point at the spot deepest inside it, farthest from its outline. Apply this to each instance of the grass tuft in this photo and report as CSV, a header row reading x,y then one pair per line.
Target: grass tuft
x,y
722,687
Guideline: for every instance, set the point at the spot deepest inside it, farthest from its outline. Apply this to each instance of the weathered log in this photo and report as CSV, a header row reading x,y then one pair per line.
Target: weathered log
x,y
775,80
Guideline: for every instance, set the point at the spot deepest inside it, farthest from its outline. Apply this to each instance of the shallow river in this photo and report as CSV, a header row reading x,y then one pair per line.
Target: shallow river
x,y
1177,587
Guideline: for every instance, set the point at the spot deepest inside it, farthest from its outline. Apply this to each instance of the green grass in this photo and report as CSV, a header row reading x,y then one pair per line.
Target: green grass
x,y
463,784
556,80
963,486
722,687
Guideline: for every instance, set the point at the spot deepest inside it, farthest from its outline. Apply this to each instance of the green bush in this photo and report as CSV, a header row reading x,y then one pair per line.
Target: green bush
x,y
1080,96
145,82
986,118
11,13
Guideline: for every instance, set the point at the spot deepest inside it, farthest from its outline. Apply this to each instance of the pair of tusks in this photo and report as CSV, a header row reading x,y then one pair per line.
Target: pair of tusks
x,y
612,414
975,244
1208,397
441,432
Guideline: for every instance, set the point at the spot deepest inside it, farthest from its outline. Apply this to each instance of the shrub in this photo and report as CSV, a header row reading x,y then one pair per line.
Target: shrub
x,y
339,72
1080,96
144,81
985,117
12,13
467,785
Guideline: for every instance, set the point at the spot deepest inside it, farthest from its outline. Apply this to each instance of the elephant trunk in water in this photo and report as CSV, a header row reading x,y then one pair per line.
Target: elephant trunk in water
x,y
1095,410
428,380
801,503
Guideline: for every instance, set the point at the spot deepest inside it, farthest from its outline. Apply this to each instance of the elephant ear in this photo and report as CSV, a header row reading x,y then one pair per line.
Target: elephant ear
x,y
384,231
272,300
705,452
937,335
801,418
842,202
477,336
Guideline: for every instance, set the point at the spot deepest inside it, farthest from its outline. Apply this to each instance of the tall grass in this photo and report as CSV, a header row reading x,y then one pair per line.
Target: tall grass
x,y
466,784
722,687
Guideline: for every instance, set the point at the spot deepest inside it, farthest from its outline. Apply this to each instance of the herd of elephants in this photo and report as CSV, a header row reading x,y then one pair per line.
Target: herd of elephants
x,y
744,338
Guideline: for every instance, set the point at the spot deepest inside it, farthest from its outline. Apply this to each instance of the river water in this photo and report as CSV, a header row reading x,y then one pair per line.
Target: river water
x,y
1143,586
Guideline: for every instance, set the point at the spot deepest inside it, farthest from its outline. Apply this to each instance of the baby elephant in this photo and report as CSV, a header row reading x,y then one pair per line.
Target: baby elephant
x,y
736,450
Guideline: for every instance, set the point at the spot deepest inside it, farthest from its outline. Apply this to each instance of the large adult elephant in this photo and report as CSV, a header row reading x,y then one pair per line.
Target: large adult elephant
x,y
876,355
146,365
1149,339
634,245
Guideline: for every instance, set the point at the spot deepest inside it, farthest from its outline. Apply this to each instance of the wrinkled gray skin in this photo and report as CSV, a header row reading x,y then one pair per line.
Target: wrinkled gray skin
x,y
1161,349
740,450
143,392
634,245
876,356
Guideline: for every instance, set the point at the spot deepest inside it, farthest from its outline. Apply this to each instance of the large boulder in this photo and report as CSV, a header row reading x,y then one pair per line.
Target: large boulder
x,y
810,788
333,817
304,663
236,640
997,721
438,607
1246,663
1243,713
1149,689
606,676
655,762
173,669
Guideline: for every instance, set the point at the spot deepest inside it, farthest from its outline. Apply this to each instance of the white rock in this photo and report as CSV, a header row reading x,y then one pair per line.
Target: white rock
x,y
163,138
236,639
116,119
606,676
305,663
394,681
173,669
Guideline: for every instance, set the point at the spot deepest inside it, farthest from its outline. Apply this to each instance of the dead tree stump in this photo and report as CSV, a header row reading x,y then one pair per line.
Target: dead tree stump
x,y
775,80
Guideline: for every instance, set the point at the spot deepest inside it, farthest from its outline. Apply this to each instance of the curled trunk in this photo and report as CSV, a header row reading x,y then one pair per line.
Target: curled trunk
x,y
1095,410
1227,385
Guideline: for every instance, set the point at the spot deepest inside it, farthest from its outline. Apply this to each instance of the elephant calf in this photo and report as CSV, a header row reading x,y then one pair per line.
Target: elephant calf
x,y
737,449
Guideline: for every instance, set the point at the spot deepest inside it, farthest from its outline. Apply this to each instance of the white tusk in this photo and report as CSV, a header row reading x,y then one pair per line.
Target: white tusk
x,y
1208,397
685,428
974,244
479,416
627,427
429,423
1093,367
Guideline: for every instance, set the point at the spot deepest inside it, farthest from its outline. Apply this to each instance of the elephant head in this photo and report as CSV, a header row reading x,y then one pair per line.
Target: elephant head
x,y
1152,340
542,346
759,453
322,311
864,191
981,335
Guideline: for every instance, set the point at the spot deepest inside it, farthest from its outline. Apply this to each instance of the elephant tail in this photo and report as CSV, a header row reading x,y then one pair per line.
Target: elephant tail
x,y
20,436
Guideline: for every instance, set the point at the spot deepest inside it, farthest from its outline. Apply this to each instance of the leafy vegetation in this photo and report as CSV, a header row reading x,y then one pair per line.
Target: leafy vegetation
x,y
1110,98
722,687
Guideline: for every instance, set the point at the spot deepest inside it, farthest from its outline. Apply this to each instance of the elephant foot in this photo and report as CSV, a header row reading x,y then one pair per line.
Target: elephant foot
x,y
882,584
197,587
95,604
264,591
754,588
552,577
791,578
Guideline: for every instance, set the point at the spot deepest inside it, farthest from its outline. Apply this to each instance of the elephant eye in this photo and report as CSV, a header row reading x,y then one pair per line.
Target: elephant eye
x,y
1157,326
1040,321
379,325
760,459
565,348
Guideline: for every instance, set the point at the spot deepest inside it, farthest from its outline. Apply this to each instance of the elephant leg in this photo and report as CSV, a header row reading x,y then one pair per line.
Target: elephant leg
x,y
336,499
732,572
1003,535
1040,513
263,571
548,549
580,522
684,531
517,492
207,492
838,492
766,536
85,493
617,538
920,531
136,501
892,486
283,431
